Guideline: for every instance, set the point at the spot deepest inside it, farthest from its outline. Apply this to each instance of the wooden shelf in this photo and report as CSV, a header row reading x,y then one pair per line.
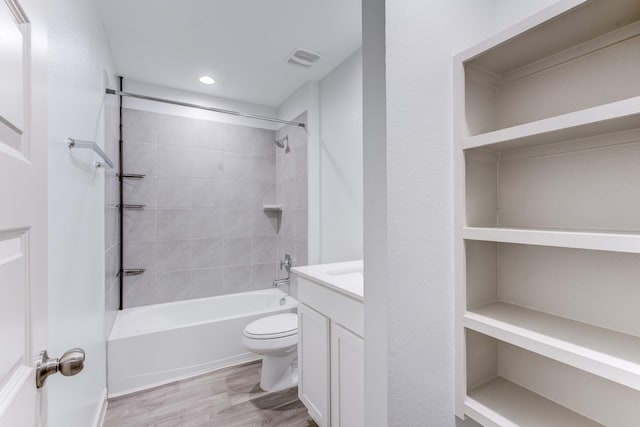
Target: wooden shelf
x,y
603,352
501,403
599,241
613,117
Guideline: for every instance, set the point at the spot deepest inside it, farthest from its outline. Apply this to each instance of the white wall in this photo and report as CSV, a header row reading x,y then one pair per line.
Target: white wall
x,y
375,212
334,127
79,66
340,96
334,118
508,12
305,99
416,351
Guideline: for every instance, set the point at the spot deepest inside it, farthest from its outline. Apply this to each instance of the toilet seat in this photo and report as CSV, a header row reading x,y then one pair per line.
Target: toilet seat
x,y
273,327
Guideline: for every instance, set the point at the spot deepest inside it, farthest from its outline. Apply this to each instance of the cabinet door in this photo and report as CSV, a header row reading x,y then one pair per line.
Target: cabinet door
x,y
347,378
314,358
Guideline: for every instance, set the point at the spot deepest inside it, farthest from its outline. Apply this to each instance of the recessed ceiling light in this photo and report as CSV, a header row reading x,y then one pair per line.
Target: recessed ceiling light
x,y
207,80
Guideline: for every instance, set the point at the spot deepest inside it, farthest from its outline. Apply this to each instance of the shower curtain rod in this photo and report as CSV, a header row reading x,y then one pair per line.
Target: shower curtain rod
x,y
202,107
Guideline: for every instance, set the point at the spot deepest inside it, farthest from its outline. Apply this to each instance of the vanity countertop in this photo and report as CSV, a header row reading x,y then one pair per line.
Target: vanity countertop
x,y
343,277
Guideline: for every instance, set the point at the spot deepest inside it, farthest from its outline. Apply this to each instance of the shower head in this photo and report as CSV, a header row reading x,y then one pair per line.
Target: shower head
x,y
282,142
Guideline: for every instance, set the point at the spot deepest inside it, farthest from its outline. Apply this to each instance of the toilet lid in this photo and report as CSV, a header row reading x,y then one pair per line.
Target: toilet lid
x,y
276,326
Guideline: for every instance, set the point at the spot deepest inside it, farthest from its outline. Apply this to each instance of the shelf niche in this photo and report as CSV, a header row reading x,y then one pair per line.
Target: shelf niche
x,y
510,386
553,68
585,184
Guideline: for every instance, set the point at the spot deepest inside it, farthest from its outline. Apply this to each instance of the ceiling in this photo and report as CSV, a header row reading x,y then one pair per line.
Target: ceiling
x,y
242,44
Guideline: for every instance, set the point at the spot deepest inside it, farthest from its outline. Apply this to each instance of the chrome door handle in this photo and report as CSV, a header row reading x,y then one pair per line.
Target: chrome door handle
x,y
71,363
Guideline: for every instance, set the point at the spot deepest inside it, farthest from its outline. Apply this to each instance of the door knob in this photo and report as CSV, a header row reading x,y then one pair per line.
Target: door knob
x,y
71,363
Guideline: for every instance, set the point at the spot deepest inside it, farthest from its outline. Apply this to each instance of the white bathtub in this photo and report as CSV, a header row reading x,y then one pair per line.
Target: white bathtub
x,y
157,344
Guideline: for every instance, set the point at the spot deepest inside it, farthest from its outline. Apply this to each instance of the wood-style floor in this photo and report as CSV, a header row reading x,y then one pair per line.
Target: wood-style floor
x,y
229,397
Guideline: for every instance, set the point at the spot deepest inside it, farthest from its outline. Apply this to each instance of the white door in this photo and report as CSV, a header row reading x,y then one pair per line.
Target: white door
x,y
23,209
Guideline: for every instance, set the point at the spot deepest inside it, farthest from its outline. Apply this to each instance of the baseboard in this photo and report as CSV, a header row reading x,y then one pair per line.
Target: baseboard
x,y
137,390
100,415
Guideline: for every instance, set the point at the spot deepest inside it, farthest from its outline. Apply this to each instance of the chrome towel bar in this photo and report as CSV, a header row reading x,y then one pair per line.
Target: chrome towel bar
x,y
78,143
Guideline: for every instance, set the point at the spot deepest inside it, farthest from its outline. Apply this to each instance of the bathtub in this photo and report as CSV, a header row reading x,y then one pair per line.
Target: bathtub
x,y
157,344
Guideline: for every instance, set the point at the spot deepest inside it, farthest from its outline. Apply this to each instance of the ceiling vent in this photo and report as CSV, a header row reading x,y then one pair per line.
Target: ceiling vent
x,y
303,57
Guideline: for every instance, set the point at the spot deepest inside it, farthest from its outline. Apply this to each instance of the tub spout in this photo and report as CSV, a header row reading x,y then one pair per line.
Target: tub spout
x,y
279,282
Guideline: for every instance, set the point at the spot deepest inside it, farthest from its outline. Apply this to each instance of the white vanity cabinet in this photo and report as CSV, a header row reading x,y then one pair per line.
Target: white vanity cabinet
x,y
331,345
314,360
347,377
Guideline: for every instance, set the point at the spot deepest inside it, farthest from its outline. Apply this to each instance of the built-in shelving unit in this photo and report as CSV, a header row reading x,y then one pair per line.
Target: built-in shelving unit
x,y
547,219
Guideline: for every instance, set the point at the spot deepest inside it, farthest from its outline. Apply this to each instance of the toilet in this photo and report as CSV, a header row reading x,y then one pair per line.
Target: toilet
x,y
276,339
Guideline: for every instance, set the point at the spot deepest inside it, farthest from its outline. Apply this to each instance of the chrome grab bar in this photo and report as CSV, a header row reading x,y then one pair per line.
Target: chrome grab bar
x,y
78,143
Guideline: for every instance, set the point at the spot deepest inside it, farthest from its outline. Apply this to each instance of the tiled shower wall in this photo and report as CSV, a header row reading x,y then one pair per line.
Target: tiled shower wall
x,y
291,192
203,231
111,216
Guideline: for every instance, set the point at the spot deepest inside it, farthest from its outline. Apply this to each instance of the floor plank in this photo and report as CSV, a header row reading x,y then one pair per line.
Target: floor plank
x,y
229,397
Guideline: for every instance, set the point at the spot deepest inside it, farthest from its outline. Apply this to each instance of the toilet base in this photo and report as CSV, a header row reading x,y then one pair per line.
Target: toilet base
x,y
279,372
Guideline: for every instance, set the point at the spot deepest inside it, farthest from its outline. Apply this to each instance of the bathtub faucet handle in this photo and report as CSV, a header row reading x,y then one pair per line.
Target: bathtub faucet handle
x,y
286,264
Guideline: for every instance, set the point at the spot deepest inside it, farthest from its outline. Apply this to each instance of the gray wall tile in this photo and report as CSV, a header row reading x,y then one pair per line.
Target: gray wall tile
x,y
111,226
139,224
174,130
174,161
140,158
237,251
111,266
140,191
208,282
291,191
238,166
207,223
263,169
265,223
263,250
237,279
174,192
140,255
173,255
173,224
139,126
207,164
111,215
207,253
211,135
263,276
238,223
239,195
140,290
250,141
173,286
206,185
206,193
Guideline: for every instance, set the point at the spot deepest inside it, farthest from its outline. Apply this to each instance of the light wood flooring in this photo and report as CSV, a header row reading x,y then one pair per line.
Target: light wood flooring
x,y
229,397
